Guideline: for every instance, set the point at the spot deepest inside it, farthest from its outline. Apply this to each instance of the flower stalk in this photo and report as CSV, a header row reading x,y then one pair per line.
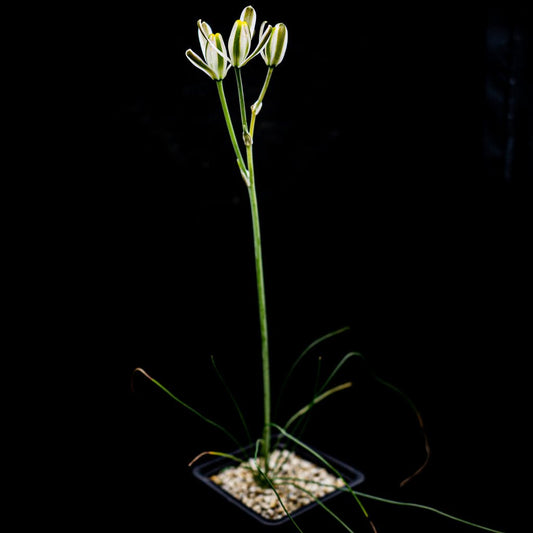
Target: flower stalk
x,y
227,117
263,324
216,61
256,108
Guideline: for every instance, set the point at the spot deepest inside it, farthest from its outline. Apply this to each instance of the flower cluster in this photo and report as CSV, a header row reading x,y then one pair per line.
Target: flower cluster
x,y
217,59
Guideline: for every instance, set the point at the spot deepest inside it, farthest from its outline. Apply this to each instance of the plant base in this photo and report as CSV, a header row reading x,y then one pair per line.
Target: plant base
x,y
298,480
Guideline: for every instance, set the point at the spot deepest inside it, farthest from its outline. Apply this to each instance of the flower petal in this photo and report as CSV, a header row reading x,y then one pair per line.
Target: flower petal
x,y
264,36
249,16
197,61
216,56
239,43
276,46
202,26
204,30
264,25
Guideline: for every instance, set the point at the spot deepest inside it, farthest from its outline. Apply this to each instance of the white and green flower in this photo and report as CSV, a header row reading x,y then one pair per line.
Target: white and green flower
x,y
274,50
240,39
216,62
217,59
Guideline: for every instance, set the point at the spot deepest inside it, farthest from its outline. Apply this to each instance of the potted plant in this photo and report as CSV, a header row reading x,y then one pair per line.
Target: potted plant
x,y
275,476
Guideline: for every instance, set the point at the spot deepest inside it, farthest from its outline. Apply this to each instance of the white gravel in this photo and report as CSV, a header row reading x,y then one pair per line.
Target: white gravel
x,y
289,473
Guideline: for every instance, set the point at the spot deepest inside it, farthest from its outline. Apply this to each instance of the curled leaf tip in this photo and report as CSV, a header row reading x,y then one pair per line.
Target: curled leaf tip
x,y
219,454
143,372
200,455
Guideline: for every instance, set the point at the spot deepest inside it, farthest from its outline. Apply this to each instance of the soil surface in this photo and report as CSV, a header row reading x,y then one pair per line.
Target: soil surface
x,y
298,482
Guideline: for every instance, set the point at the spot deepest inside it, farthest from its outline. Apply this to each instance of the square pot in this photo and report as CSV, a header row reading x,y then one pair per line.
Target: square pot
x,y
213,467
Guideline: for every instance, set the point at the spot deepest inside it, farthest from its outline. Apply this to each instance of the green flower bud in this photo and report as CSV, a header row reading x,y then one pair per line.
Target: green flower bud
x,y
274,51
239,43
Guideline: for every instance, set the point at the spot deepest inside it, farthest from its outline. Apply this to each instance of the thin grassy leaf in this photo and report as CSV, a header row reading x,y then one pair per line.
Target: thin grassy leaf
x,y
426,508
293,481
328,465
187,406
417,414
420,423
271,485
313,345
219,454
316,400
300,427
299,414
302,424
337,368
324,506
234,401
303,354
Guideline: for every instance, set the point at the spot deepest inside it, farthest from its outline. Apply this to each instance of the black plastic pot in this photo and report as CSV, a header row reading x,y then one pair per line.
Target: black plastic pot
x,y
205,470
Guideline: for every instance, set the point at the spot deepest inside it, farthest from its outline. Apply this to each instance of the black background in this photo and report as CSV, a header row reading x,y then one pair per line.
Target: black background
x,y
386,205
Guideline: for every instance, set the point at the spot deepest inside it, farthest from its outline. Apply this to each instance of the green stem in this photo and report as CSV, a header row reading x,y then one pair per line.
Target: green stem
x,y
245,134
259,273
247,171
257,106
231,131
262,308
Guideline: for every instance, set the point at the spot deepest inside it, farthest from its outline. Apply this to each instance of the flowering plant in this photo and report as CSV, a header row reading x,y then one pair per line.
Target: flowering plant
x,y
216,59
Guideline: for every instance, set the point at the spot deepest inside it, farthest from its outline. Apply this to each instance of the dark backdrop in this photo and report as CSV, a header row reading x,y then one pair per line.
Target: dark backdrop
x,y
392,168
